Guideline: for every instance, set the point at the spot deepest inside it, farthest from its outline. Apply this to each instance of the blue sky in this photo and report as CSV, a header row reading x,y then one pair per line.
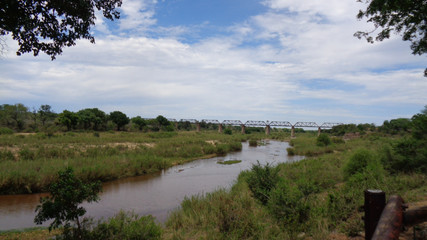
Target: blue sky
x,y
276,60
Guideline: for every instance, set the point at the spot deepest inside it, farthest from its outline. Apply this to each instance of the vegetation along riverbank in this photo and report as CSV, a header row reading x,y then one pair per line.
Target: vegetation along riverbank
x,y
319,197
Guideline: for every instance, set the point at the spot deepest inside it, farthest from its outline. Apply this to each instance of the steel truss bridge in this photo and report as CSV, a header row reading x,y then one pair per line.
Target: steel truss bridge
x,y
251,123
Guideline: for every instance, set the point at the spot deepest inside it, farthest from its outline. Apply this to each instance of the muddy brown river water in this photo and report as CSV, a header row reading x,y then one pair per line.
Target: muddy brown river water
x,y
155,194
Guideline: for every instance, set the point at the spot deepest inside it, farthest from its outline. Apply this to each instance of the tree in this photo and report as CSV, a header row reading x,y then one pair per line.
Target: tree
x,y
119,118
14,115
407,17
92,118
48,26
45,113
63,203
139,121
68,119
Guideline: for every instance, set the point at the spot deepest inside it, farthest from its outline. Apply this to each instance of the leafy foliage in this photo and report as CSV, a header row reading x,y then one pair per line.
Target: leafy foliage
x,y
68,119
126,226
119,118
261,180
63,203
323,140
406,17
48,26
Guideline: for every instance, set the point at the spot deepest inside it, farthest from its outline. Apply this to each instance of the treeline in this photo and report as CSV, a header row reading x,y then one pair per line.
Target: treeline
x,y
408,152
19,118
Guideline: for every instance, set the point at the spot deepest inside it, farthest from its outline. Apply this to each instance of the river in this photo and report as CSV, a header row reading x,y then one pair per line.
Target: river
x,y
155,194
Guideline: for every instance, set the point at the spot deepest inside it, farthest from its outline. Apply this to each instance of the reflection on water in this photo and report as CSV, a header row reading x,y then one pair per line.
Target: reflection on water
x,y
155,194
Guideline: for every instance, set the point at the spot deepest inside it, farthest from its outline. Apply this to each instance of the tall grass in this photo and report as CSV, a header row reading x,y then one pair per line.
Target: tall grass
x,y
29,164
313,198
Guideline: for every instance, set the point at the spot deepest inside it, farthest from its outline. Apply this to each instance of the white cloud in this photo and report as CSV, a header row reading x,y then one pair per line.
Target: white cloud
x,y
264,70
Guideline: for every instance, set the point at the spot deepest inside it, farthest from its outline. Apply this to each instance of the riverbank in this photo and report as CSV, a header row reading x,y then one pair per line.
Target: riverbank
x,y
312,199
29,163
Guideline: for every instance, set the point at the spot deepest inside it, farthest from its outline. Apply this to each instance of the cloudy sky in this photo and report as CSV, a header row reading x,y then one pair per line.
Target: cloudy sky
x,y
287,60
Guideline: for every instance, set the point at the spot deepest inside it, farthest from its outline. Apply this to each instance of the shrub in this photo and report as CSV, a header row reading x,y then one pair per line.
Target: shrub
x,y
26,154
228,131
323,140
337,140
261,180
288,206
291,151
126,225
5,130
359,162
253,143
63,203
6,156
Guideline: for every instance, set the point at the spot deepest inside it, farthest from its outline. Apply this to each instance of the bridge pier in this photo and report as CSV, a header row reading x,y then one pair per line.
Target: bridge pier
x,y
319,130
243,129
220,128
198,127
267,129
293,132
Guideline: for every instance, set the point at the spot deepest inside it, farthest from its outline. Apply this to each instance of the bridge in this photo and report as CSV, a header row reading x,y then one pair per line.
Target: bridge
x,y
266,124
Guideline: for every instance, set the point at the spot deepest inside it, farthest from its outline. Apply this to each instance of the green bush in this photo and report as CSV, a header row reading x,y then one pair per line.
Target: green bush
x,y
291,151
228,131
288,206
6,156
5,130
26,154
359,162
337,140
126,225
323,140
261,180
253,142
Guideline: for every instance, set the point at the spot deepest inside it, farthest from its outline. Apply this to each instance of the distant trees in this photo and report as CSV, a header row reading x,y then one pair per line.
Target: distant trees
x,y
92,119
46,114
13,116
68,119
139,121
19,118
119,118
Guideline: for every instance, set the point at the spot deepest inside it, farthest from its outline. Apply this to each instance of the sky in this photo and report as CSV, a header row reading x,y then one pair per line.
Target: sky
x,y
275,60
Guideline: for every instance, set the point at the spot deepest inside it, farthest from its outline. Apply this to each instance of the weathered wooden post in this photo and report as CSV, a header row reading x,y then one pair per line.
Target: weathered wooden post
x,y
319,130
220,128
391,222
374,205
198,126
243,128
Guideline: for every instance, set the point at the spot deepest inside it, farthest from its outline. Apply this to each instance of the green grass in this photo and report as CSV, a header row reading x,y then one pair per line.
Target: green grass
x,y
229,162
29,163
330,203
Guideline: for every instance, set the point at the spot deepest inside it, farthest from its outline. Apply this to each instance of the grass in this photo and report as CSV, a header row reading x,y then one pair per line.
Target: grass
x,y
29,163
229,162
331,204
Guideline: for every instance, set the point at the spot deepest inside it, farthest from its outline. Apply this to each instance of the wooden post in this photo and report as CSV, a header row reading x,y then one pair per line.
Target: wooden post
x,y
391,221
243,129
220,128
374,205
293,132
198,127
